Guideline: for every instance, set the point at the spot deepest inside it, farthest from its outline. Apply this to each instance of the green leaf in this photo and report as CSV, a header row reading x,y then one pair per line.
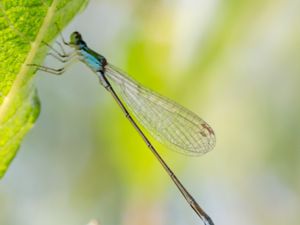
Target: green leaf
x,y
24,24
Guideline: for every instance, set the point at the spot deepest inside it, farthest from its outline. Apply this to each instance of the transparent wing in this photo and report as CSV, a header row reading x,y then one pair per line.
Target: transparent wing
x,y
168,122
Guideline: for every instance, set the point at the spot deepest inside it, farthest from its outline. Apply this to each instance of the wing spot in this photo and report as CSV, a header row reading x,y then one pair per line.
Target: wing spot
x,y
208,129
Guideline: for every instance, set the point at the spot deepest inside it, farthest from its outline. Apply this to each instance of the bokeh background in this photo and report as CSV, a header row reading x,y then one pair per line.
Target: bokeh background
x,y
235,63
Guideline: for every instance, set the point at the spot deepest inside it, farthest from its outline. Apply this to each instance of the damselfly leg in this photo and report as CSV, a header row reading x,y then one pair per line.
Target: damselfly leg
x,y
66,58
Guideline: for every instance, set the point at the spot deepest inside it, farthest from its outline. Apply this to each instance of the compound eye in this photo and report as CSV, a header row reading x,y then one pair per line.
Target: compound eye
x,y
77,35
75,38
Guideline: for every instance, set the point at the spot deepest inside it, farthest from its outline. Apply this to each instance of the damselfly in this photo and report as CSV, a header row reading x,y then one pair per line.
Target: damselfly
x,y
168,122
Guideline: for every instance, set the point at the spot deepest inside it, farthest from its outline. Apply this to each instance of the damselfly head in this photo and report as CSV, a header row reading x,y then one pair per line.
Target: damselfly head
x,y
76,40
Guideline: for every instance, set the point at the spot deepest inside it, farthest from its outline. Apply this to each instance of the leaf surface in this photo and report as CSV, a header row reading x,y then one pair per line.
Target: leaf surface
x,y
24,25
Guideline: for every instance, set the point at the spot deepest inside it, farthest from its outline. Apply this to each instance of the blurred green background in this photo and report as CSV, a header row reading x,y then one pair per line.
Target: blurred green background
x,y
235,63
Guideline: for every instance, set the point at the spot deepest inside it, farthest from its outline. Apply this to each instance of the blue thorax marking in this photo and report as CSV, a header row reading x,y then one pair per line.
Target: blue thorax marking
x,y
92,59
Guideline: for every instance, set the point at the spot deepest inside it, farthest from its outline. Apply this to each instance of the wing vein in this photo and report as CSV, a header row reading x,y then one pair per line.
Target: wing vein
x,y
167,121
